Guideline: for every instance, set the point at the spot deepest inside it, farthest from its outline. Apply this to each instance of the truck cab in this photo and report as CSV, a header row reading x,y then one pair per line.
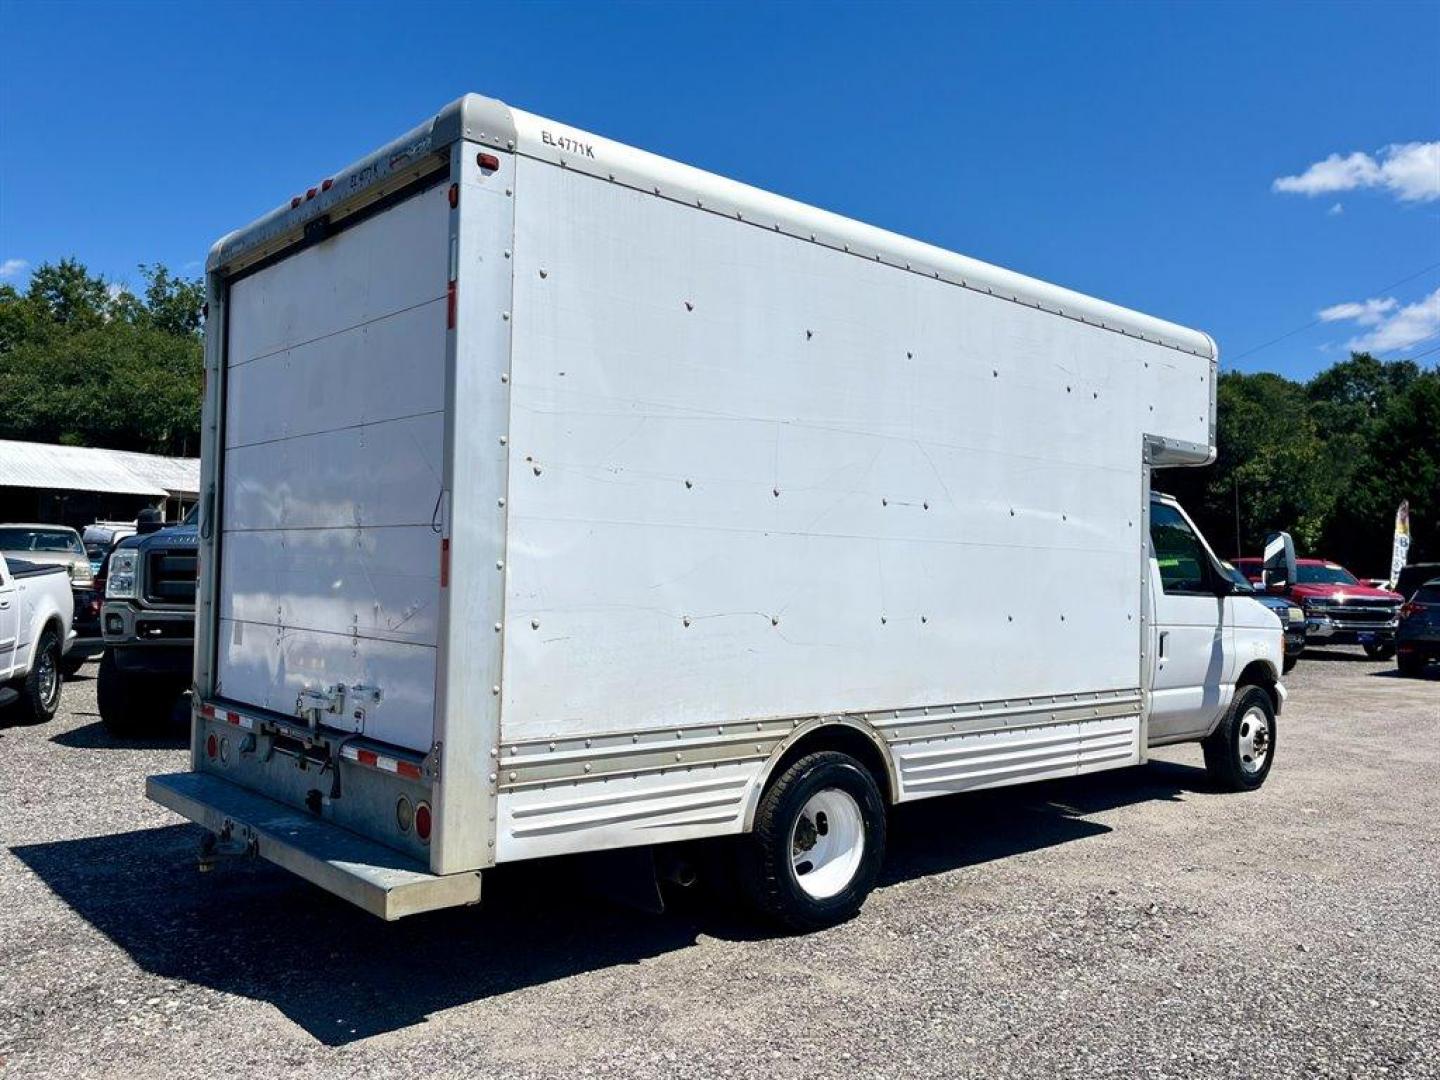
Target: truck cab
x,y
149,627
1213,644
35,609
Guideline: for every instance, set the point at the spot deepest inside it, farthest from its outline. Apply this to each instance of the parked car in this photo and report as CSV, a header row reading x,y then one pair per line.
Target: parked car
x,y
61,546
1291,617
48,545
1418,639
149,626
1415,575
100,540
35,611
1339,608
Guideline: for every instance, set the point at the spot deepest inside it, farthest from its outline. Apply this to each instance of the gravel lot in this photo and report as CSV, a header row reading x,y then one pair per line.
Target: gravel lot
x,y
1127,924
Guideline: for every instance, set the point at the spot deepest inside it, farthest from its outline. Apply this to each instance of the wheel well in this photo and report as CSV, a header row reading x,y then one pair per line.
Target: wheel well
x,y
54,623
1259,673
846,739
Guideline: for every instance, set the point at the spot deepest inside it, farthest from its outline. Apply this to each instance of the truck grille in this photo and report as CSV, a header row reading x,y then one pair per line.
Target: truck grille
x,y
1358,615
170,576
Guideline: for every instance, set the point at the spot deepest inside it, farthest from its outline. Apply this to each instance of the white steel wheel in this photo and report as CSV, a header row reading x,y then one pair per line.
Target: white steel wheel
x,y
817,844
1254,740
1240,752
827,843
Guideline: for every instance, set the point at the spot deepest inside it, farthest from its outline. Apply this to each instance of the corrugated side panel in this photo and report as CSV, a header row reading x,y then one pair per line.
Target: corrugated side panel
x,y
334,424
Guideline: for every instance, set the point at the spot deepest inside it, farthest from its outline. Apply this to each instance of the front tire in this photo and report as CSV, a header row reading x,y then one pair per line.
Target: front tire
x,y
818,843
1383,650
131,704
40,691
1239,753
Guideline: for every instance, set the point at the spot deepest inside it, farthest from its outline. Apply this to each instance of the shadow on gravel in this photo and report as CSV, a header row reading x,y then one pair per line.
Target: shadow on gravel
x,y
1431,674
1335,653
93,736
254,930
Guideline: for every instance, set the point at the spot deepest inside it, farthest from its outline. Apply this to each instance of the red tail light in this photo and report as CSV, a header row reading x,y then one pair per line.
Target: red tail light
x,y
1411,608
422,821
211,747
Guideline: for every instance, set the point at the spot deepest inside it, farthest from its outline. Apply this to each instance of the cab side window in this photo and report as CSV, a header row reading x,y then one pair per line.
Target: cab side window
x,y
1182,558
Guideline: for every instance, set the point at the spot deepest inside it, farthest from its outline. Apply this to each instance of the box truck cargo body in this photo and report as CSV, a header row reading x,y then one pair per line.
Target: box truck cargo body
x,y
559,497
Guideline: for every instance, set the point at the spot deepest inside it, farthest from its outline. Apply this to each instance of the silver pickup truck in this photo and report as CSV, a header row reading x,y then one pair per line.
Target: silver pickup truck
x,y
35,614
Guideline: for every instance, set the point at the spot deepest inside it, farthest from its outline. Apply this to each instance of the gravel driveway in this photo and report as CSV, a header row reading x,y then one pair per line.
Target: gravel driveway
x,y
1129,924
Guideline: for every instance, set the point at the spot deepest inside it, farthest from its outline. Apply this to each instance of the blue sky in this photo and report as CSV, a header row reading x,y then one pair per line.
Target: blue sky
x,y
1126,150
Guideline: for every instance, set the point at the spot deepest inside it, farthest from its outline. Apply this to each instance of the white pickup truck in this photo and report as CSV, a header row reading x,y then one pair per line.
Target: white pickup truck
x,y
35,612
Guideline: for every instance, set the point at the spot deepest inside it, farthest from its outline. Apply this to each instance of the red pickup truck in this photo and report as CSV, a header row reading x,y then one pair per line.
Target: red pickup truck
x,y
1339,608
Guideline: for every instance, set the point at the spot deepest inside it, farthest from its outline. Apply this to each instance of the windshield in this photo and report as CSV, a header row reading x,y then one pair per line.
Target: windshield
x,y
57,540
1242,583
1324,575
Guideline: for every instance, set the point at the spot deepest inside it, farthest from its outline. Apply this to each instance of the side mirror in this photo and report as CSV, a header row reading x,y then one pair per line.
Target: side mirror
x,y
1279,568
148,521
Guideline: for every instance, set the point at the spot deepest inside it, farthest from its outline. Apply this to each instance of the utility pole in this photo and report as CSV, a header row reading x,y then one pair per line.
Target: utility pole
x,y
1236,478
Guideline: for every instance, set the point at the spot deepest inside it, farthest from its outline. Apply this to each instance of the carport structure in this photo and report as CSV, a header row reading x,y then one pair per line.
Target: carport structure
x,y
76,485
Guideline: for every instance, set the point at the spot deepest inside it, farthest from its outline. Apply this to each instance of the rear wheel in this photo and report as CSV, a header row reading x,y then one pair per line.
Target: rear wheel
x,y
1411,664
40,690
1239,753
1382,650
818,843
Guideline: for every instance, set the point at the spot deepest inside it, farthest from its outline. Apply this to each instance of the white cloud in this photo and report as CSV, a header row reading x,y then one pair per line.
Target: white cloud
x,y
1409,171
11,268
1366,313
1394,327
1336,210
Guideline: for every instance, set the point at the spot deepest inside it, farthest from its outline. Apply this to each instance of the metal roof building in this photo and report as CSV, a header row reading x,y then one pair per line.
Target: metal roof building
x,y
59,483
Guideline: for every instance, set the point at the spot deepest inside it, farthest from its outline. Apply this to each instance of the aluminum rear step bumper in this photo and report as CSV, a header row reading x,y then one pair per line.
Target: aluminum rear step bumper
x,y
369,875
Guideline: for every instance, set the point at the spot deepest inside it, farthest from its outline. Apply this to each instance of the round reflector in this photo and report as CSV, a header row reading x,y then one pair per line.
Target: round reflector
x,y
210,746
404,813
422,821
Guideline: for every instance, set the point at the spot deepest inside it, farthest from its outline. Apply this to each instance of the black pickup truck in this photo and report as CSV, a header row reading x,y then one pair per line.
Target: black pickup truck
x,y
149,628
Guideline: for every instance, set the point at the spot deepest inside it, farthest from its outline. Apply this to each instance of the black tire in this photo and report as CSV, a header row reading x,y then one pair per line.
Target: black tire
x,y
70,665
768,866
1411,665
40,690
1382,651
132,704
1233,748
1288,664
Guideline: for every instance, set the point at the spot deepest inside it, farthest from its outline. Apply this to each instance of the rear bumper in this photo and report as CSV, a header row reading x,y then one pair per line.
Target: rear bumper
x,y
384,882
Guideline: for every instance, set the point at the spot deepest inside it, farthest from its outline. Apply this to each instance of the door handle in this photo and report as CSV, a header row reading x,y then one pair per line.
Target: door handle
x,y
1164,635
4,604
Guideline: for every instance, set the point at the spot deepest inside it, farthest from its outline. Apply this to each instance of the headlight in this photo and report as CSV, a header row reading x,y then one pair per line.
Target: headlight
x,y
120,585
1296,615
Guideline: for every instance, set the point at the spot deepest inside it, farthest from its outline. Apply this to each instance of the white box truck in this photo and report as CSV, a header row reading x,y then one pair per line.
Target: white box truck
x,y
558,497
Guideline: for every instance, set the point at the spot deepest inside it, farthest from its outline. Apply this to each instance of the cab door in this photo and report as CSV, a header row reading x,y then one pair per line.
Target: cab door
x,y
1190,640
9,622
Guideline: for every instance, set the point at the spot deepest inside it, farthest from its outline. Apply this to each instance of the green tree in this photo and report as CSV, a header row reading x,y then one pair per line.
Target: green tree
x,y
85,364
